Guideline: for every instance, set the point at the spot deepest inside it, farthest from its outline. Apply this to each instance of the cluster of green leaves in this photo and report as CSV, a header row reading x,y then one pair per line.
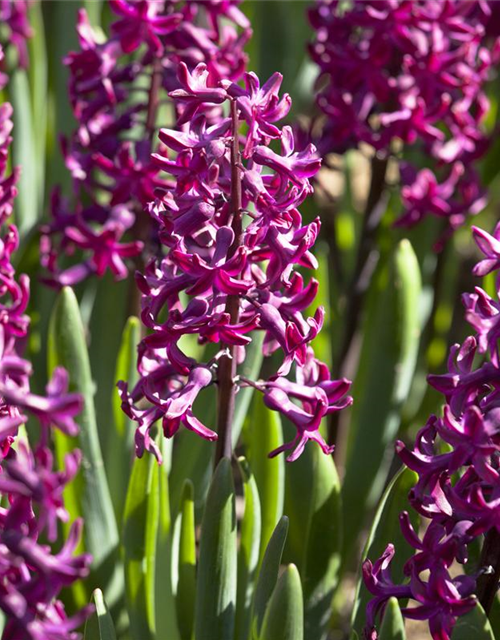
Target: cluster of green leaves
x,y
185,566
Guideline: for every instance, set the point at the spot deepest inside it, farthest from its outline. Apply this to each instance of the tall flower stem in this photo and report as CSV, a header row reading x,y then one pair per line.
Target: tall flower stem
x,y
487,583
366,262
141,225
154,97
227,364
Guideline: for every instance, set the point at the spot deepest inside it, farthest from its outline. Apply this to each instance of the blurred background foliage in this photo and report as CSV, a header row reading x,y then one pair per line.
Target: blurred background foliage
x,y
159,511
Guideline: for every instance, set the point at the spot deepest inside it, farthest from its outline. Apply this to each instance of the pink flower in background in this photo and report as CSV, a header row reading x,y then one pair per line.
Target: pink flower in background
x,y
109,154
410,72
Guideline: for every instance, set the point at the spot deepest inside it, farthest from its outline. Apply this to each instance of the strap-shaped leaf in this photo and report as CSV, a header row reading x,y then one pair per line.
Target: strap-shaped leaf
x,y
473,626
284,619
186,582
322,557
94,10
216,581
166,618
89,493
100,625
385,528
24,152
109,302
250,368
121,437
61,19
263,433
140,529
38,77
248,553
393,625
387,362
268,575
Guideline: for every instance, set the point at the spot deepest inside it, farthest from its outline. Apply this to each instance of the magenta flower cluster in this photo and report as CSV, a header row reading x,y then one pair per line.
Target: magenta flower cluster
x,y
398,73
31,573
458,489
234,238
16,28
117,88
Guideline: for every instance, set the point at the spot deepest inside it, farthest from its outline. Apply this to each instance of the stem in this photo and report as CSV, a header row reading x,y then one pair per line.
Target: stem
x,y
487,583
154,98
366,262
227,363
141,225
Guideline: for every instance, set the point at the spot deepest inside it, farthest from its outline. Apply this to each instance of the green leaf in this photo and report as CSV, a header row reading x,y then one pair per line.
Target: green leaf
x,y
90,496
24,153
126,369
104,348
322,343
268,575
38,77
474,625
385,528
248,553
250,368
166,619
323,542
94,9
121,438
284,619
100,625
263,433
186,584
287,44
61,20
140,530
216,580
393,625
387,362
494,616
193,457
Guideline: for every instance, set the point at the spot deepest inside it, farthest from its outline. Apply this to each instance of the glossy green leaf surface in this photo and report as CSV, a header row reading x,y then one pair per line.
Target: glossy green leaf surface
x,y
120,449
322,550
186,585
263,433
284,619
216,581
388,356
100,625
91,493
268,575
473,626
248,552
393,626
140,530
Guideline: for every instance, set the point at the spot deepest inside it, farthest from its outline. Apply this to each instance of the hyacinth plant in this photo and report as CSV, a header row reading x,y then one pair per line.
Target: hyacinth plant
x,y
457,487
224,218
34,569
154,165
